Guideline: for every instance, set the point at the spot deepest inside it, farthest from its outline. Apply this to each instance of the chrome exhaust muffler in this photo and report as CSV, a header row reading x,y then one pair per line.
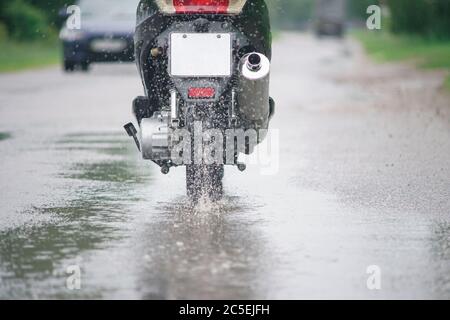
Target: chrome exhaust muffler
x,y
253,93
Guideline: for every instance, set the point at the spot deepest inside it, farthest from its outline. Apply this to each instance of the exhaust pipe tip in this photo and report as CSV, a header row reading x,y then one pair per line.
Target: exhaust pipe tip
x,y
254,62
254,66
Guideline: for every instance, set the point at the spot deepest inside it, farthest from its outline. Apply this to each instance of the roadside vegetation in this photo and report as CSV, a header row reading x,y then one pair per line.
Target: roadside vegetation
x,y
298,14
15,56
414,30
28,34
425,52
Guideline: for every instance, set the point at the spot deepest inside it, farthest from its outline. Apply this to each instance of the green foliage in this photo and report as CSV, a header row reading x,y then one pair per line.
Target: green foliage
x,y
447,83
429,18
428,53
3,32
409,16
24,55
31,19
358,8
23,21
440,23
51,8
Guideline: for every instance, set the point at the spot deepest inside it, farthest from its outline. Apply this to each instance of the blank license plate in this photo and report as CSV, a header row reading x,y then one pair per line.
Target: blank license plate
x,y
200,54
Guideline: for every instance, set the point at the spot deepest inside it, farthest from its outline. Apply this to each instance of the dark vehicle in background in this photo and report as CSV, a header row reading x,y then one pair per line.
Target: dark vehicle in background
x,y
106,34
329,17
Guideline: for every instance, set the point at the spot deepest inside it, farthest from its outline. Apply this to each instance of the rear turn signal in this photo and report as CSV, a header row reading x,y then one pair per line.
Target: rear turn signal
x,y
201,93
201,6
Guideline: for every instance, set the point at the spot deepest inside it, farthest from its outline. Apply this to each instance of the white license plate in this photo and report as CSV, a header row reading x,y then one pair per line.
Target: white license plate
x,y
200,54
108,45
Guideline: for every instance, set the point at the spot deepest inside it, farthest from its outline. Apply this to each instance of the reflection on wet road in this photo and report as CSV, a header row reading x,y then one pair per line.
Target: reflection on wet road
x,y
360,183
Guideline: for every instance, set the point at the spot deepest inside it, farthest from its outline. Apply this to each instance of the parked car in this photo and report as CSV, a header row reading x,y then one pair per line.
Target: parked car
x,y
105,35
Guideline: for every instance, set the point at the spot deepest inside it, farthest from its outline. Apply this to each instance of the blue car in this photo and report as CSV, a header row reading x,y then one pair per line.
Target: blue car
x,y
105,34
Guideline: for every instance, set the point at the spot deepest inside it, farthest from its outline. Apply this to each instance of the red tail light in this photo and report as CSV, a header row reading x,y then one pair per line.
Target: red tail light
x,y
201,6
201,93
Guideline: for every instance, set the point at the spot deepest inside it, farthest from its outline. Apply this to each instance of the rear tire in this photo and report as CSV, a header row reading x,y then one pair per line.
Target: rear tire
x,y
69,66
85,66
204,181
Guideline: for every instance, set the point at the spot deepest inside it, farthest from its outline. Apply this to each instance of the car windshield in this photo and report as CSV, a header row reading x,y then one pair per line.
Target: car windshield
x,y
109,9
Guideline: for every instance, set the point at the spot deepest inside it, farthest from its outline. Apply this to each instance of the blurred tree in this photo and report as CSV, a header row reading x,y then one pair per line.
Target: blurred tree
x,y
357,9
27,19
410,16
51,8
420,17
440,18
24,21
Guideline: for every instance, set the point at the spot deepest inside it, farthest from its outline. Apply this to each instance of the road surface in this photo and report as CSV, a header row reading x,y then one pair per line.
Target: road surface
x,y
363,186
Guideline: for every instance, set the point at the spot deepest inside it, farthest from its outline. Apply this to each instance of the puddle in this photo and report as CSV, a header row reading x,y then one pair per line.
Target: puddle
x,y
94,218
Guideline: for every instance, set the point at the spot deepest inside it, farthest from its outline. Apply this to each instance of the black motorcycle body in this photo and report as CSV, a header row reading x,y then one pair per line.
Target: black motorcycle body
x,y
204,65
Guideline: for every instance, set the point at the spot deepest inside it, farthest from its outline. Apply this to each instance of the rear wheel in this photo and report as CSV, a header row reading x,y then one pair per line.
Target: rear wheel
x,y
69,66
85,66
204,181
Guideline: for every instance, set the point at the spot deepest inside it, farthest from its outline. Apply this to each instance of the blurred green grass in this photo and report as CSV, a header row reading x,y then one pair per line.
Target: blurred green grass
x,y
16,56
427,53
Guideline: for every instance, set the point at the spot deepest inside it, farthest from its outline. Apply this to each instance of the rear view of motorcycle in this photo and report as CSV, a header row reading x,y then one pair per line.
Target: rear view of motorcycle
x,y
205,68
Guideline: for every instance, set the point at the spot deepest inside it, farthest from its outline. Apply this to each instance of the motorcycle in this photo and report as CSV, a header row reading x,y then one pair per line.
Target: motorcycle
x,y
205,68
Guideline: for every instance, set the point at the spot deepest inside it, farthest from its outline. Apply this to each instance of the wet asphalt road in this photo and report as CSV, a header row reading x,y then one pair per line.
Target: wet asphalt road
x,y
364,179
